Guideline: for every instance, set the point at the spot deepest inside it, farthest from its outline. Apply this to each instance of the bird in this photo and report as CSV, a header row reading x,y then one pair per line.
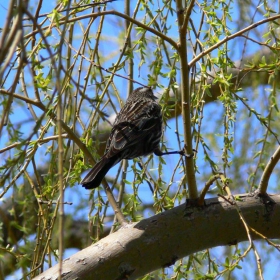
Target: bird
x,y
136,132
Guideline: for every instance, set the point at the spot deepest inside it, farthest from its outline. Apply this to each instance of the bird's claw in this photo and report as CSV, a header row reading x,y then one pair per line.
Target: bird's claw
x,y
182,153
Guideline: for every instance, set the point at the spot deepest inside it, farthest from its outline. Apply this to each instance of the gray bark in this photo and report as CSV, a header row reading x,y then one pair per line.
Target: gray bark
x,y
160,240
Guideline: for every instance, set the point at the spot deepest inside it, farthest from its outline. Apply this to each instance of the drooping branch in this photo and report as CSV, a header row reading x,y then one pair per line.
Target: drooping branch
x,y
115,13
160,240
232,36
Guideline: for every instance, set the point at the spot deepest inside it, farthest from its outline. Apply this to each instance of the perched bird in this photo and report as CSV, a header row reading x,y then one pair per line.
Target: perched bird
x,y
136,132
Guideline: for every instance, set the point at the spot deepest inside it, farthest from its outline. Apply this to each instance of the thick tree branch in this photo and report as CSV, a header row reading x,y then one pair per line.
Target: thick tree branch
x,y
160,240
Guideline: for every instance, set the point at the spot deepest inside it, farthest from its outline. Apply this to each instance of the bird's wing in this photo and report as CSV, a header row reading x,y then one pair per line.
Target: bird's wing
x,y
132,127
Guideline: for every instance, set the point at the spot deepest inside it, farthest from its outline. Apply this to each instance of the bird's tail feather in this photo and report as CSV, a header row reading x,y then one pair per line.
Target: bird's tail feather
x,y
97,173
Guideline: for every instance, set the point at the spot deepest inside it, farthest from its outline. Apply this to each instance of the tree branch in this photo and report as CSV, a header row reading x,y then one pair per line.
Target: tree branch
x,y
159,241
112,12
230,37
268,171
185,102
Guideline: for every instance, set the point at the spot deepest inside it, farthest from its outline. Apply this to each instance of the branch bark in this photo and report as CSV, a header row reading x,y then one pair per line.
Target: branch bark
x,y
160,240
185,102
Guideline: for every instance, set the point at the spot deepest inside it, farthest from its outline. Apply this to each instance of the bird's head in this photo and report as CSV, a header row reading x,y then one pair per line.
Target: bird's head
x,y
142,92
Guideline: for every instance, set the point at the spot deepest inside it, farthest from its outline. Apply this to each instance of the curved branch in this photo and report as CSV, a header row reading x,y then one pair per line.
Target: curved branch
x,y
112,12
228,38
207,185
159,241
268,171
24,98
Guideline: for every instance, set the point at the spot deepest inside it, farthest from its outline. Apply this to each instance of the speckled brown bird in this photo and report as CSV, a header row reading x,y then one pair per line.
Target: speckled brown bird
x,y
136,132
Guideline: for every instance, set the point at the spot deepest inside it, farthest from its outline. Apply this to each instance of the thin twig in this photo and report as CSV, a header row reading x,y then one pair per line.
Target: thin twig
x,y
207,186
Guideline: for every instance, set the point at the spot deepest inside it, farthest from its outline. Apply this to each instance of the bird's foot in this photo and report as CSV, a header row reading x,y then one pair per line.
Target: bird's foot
x,y
182,153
